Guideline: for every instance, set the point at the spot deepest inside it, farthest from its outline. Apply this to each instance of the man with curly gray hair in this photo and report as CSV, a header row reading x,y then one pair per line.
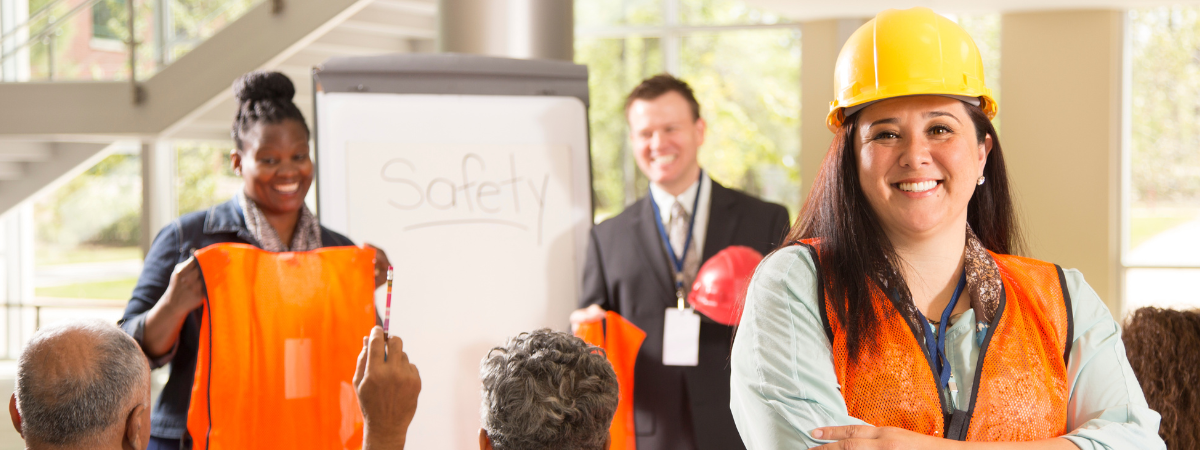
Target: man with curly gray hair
x,y
547,390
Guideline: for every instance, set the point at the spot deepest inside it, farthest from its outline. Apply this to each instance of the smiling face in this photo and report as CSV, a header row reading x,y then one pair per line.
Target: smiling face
x,y
275,165
918,163
666,138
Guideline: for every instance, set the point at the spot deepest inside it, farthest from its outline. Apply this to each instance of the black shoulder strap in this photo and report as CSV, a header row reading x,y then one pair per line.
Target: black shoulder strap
x,y
1062,283
957,425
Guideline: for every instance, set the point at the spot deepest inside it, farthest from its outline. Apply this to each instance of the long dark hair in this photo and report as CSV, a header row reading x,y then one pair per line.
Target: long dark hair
x,y
1164,352
853,246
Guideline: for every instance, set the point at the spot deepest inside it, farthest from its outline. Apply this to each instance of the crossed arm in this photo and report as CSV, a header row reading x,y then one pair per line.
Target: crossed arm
x,y
784,392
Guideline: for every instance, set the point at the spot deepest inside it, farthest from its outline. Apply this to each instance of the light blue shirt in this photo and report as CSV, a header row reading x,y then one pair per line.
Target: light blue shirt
x,y
783,383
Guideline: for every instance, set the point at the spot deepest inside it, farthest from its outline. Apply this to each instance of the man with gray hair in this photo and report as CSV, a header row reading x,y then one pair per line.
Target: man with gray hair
x,y
547,390
82,385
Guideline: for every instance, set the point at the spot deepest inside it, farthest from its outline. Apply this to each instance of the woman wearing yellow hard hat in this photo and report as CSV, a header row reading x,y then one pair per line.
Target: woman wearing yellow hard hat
x,y
897,317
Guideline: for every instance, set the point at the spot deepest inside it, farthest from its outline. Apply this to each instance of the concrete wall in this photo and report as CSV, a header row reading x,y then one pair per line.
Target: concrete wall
x,y
1061,109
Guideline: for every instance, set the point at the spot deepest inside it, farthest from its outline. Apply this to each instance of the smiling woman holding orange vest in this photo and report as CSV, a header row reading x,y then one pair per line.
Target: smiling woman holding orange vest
x,y
899,317
272,158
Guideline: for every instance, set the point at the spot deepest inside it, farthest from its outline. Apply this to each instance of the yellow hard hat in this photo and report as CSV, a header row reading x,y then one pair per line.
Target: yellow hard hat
x,y
907,52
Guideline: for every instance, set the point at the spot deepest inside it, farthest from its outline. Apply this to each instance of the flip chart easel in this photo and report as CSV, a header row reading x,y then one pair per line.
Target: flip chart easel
x,y
473,174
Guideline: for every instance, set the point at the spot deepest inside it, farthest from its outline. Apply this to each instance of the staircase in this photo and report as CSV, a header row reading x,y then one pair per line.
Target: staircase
x,y
50,130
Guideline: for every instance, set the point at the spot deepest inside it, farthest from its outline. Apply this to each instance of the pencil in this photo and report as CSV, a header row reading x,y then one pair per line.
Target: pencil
x,y
387,310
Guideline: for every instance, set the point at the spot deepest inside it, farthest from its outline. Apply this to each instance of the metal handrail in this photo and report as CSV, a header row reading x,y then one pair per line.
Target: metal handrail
x,y
55,25
51,27
32,17
172,41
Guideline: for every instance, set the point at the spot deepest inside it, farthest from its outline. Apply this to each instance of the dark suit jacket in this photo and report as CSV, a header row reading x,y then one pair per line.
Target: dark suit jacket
x,y
627,271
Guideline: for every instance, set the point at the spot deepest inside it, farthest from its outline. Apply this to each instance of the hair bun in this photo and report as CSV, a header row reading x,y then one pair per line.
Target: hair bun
x,y
263,85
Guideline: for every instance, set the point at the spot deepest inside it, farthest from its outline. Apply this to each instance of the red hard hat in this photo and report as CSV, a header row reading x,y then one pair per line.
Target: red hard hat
x,y
720,285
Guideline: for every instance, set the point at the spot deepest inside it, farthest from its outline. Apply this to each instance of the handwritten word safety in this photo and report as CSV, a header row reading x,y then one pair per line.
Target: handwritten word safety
x,y
478,194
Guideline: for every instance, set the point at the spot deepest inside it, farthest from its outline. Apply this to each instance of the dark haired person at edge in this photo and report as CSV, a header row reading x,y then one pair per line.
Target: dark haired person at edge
x,y
641,261
899,319
272,157
1164,351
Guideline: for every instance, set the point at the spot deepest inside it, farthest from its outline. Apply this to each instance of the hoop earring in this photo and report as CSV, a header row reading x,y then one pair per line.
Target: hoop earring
x,y
980,182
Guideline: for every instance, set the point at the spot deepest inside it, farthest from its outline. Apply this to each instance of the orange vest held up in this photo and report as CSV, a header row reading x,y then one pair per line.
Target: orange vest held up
x,y
1020,391
279,342
621,341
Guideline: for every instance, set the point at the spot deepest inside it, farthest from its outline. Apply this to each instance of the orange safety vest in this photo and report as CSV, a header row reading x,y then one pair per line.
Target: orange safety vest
x,y
279,342
1020,391
621,341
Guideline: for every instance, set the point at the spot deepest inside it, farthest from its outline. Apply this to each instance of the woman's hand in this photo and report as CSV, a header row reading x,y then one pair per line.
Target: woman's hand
x,y
866,437
381,264
185,293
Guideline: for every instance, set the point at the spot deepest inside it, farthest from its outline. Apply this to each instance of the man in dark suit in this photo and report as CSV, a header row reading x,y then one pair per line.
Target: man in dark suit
x,y
630,270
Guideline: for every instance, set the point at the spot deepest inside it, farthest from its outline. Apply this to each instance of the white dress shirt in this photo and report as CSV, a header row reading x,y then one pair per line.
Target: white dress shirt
x,y
666,201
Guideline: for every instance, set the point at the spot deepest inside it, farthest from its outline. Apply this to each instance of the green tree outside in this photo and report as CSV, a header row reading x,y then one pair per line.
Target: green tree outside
x,y
747,83
204,178
1165,152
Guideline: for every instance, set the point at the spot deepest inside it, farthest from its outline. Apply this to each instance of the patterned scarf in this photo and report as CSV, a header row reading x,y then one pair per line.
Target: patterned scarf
x,y
306,236
983,288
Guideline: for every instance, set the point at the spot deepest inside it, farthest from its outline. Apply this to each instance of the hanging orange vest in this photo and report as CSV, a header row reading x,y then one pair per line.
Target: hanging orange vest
x,y
621,341
279,342
1020,391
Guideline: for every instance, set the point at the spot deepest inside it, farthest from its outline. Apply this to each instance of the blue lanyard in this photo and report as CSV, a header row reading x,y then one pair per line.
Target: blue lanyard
x,y
662,232
938,348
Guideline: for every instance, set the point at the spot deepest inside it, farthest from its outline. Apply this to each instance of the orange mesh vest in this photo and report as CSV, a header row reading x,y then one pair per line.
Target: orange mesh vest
x,y
621,341
279,342
1020,391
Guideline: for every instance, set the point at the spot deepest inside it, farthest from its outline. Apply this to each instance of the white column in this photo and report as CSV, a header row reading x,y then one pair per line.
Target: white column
x,y
529,29
15,65
164,31
158,188
1062,108
18,276
672,42
821,43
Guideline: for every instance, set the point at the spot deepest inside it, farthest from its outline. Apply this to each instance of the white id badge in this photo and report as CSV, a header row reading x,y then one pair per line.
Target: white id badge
x,y
681,337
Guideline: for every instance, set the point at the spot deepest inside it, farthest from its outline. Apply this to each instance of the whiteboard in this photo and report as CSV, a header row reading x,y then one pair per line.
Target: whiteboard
x,y
483,205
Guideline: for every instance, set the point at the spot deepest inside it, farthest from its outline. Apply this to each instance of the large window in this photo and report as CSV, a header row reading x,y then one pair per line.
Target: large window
x,y
204,178
1161,243
744,65
106,19
86,243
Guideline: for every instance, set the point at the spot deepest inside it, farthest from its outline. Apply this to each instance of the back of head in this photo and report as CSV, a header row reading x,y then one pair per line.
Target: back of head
x,y
1164,351
263,97
548,390
76,380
